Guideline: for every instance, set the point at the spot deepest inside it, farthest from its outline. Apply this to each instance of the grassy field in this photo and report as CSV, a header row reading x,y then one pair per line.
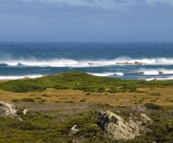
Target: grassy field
x,y
57,102
160,96
77,87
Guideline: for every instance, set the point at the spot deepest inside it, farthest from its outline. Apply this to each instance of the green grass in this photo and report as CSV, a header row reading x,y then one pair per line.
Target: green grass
x,y
24,100
53,125
87,83
47,127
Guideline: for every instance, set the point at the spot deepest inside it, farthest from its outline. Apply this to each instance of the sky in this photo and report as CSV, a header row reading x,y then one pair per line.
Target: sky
x,y
86,20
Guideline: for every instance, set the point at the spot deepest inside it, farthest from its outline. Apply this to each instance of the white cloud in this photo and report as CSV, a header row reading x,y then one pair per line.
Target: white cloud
x,y
108,4
93,2
160,1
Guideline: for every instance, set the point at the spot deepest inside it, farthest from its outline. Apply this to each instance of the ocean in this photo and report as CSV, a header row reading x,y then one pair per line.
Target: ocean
x,y
137,61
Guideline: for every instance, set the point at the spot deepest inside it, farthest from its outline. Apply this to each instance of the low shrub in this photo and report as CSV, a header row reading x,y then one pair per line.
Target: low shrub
x,y
88,93
153,106
45,95
69,101
83,100
155,94
27,99
15,100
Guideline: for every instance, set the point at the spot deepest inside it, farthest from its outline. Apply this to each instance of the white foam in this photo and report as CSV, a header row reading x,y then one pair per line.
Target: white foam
x,y
165,78
119,73
19,77
87,63
101,74
164,71
151,72
149,79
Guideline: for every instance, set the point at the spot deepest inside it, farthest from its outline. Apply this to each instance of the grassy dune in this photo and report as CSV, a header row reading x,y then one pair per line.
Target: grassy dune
x,y
77,87
57,102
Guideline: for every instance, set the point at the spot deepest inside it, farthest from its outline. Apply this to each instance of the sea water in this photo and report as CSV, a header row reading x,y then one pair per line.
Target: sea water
x,y
117,60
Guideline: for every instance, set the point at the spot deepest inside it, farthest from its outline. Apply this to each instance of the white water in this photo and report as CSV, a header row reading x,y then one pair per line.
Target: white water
x,y
19,77
151,72
87,63
119,73
102,74
166,78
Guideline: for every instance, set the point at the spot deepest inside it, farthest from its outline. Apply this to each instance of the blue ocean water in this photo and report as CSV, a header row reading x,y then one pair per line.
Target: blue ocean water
x,y
117,60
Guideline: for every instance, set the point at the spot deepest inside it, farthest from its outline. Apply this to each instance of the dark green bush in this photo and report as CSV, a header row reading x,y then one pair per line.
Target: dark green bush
x,y
153,106
155,94
83,100
27,99
69,101
88,93
45,95
15,100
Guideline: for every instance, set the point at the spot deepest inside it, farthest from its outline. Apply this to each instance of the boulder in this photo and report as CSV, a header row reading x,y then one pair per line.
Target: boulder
x,y
138,63
90,64
127,63
73,130
146,119
124,63
123,129
25,111
7,109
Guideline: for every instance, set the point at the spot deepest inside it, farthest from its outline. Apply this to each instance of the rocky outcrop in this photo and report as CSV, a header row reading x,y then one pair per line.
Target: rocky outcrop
x,y
128,63
124,63
7,109
138,63
123,129
90,64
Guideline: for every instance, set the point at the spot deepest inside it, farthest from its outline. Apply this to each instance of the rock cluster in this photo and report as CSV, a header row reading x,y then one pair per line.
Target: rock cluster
x,y
7,109
128,63
123,129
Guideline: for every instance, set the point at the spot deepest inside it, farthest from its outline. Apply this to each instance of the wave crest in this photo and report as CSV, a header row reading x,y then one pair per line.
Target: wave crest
x,y
87,63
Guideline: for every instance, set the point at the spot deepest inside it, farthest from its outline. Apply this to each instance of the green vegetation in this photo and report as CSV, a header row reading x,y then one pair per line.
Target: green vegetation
x,y
86,82
83,100
45,95
161,131
153,106
51,118
23,99
155,94
48,127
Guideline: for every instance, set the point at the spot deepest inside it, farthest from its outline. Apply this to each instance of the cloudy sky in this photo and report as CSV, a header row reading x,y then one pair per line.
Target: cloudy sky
x,y
87,20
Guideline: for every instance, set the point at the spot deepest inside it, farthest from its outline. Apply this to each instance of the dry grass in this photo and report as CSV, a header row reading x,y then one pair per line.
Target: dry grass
x,y
53,96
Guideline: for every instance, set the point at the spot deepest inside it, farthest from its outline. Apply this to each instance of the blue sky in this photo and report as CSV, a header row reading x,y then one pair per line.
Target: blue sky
x,y
87,20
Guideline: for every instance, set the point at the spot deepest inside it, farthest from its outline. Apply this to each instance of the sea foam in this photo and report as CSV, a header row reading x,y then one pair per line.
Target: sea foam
x,y
19,77
151,72
102,74
87,63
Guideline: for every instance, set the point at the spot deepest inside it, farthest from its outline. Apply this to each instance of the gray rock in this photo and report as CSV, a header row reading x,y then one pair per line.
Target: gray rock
x,y
123,129
7,109
25,111
139,108
146,119
73,130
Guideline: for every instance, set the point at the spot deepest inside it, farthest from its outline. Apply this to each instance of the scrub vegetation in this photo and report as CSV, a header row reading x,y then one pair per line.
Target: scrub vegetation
x,y
81,81
58,102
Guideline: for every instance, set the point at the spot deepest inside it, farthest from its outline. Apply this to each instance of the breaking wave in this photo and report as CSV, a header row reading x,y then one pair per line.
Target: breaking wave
x,y
19,77
102,74
121,61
